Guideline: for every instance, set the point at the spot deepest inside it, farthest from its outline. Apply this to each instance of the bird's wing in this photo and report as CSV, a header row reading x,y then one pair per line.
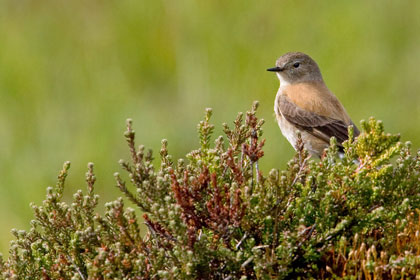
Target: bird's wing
x,y
319,126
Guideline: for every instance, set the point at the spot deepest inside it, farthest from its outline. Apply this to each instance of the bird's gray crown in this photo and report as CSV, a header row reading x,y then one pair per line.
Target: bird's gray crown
x,y
296,67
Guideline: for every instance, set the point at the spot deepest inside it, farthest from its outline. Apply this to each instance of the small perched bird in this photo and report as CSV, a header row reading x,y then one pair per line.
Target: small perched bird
x,y
305,105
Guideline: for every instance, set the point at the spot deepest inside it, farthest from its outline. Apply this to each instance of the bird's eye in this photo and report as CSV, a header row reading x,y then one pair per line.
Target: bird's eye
x,y
296,65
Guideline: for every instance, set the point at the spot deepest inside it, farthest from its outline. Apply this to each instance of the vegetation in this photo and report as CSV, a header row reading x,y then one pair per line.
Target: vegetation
x,y
215,215
71,72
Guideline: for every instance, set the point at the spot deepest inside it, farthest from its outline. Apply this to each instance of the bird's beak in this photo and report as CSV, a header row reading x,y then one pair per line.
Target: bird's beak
x,y
275,69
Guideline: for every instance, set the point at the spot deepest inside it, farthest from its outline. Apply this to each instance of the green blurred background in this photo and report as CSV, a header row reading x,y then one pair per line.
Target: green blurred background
x,y
71,72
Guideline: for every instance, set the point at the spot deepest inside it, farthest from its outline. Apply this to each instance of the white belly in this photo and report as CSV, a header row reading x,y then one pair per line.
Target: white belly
x,y
287,129
311,143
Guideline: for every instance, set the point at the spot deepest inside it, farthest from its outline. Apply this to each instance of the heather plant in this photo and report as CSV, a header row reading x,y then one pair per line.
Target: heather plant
x,y
216,215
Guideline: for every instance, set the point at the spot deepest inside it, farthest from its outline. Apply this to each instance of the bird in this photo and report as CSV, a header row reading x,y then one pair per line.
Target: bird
x,y
304,105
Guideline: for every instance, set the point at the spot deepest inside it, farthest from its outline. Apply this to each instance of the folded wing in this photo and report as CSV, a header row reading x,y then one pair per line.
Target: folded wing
x,y
319,126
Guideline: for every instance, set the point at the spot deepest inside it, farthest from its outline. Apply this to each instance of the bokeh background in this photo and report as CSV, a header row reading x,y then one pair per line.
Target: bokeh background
x,y
71,72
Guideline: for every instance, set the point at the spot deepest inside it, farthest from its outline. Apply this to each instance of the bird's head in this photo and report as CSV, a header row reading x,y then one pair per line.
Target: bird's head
x,y
296,67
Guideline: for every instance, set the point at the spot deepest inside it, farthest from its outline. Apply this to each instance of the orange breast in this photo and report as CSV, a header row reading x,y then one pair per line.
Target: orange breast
x,y
316,97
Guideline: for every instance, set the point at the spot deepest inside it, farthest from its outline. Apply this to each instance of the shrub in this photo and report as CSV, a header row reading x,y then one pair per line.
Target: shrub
x,y
216,215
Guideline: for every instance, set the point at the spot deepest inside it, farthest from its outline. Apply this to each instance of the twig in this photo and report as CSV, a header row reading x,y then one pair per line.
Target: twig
x,y
247,262
257,171
240,241
312,228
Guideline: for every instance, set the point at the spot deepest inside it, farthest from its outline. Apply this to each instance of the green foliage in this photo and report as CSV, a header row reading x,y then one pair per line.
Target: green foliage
x,y
72,71
216,215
